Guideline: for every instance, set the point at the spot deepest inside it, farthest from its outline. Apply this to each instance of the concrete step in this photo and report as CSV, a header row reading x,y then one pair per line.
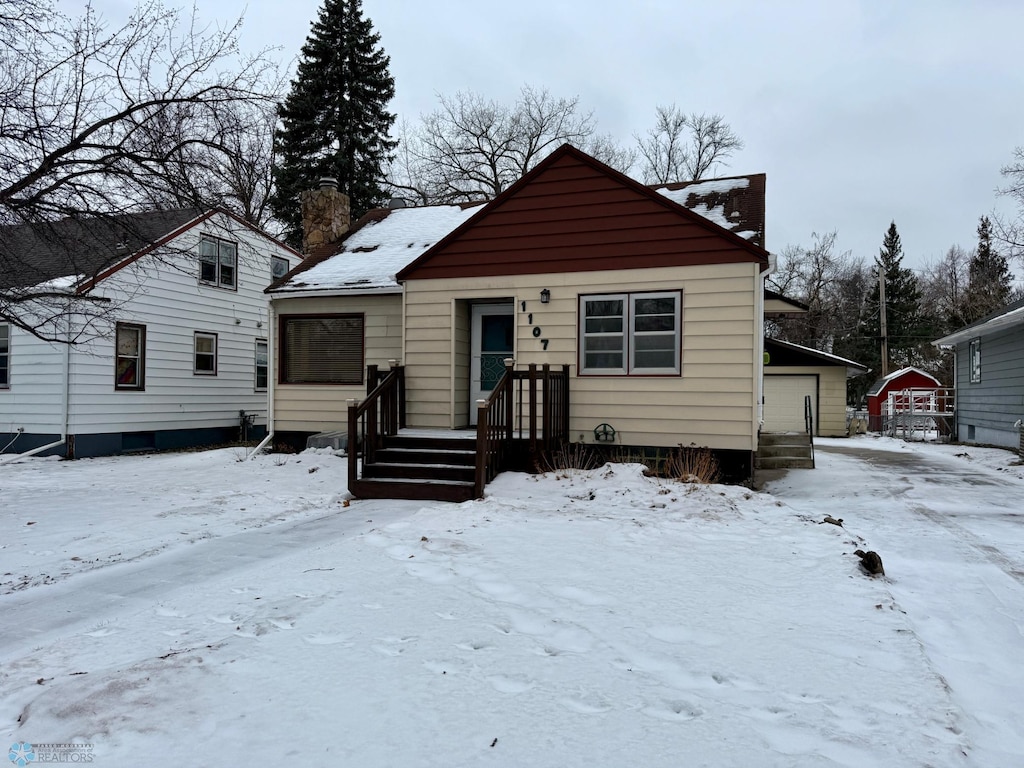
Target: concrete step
x,y
783,462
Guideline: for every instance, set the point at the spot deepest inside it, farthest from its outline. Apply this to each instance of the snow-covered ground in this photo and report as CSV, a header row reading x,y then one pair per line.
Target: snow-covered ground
x,y
185,609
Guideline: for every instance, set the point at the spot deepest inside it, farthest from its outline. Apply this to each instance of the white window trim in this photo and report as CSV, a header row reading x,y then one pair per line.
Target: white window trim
x,y
629,334
974,360
257,366
195,353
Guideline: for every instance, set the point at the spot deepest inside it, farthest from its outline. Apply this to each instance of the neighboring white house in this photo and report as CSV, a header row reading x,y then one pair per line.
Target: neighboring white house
x,y
183,357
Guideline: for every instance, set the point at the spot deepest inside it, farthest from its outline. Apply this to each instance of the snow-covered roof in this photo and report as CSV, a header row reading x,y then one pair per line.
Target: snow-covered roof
x,y
879,385
735,203
1007,317
373,254
385,241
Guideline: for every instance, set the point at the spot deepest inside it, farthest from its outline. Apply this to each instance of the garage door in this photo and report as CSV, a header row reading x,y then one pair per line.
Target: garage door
x,y
784,402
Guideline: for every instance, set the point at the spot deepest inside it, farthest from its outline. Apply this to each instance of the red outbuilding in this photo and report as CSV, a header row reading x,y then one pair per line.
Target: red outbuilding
x,y
901,391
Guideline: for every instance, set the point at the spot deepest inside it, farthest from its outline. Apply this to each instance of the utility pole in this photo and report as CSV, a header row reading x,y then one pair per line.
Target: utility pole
x,y
881,322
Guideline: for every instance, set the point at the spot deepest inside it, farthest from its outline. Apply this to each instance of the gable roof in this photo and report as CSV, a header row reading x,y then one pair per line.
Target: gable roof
x,y
787,353
79,248
77,253
573,213
384,244
1007,317
881,383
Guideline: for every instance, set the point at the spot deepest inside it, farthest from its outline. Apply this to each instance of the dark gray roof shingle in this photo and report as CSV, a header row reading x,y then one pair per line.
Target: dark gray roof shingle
x,y
38,253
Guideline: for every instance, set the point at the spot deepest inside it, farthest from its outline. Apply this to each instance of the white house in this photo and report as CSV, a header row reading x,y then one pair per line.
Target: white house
x,y
182,356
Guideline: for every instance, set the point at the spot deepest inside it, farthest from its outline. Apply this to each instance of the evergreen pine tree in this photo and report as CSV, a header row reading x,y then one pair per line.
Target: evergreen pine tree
x,y
334,121
989,278
907,327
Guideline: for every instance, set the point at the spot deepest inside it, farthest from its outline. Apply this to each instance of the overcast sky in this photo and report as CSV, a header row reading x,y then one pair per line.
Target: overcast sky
x,y
859,112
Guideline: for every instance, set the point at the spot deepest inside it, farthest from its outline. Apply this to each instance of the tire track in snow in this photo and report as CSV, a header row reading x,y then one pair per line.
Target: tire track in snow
x,y
987,552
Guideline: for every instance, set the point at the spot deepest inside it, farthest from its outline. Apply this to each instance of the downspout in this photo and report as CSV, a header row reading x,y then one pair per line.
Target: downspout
x,y
65,408
772,263
271,377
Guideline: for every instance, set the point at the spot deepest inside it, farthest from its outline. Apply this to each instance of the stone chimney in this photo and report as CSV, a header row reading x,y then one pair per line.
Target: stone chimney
x,y
326,216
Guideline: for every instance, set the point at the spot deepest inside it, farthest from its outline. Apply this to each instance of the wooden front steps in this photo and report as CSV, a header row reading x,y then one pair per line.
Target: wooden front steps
x,y
784,450
420,467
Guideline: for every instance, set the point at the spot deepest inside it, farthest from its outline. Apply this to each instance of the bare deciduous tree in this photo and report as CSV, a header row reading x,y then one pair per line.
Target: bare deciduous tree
x,y
473,148
832,285
1011,231
684,147
99,122
944,288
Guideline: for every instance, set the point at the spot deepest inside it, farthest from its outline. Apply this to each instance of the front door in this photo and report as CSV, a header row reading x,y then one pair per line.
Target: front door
x,y
491,340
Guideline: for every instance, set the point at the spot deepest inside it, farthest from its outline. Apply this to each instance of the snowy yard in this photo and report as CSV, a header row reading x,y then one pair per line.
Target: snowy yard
x,y
180,609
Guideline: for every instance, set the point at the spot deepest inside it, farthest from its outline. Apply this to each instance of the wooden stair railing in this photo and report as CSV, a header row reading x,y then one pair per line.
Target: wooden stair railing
x,y
546,393
494,431
381,414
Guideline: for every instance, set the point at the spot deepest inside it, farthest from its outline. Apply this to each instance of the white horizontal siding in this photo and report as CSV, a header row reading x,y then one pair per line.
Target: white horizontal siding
x,y
34,401
162,292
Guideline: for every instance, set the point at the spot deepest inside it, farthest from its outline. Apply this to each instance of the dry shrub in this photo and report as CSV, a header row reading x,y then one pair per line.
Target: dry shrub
x,y
630,455
568,458
692,465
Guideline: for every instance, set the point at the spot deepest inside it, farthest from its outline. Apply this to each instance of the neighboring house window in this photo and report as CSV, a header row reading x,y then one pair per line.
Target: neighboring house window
x,y
630,333
205,347
278,266
218,262
975,360
261,364
5,355
130,357
322,350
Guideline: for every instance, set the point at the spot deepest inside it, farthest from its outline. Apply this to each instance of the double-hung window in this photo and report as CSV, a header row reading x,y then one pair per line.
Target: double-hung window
x,y
218,262
5,355
130,356
261,365
630,334
321,349
975,360
205,354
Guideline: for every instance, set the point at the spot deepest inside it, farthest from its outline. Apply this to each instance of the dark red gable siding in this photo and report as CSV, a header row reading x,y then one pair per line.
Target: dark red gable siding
x,y
574,214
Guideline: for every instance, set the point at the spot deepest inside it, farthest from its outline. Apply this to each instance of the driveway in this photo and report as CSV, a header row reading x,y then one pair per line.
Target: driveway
x,y
950,530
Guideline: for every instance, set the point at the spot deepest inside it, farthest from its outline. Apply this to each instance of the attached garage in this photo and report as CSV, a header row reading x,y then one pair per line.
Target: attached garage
x,y
784,398
793,372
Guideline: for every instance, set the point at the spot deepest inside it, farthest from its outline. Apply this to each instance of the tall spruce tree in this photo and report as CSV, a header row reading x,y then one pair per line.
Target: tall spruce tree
x,y
907,327
334,121
989,279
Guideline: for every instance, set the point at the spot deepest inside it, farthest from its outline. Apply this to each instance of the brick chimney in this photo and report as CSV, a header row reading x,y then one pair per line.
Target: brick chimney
x,y
326,216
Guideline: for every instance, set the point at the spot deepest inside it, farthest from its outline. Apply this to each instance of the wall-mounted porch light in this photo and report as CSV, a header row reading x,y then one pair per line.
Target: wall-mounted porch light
x,y
545,296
